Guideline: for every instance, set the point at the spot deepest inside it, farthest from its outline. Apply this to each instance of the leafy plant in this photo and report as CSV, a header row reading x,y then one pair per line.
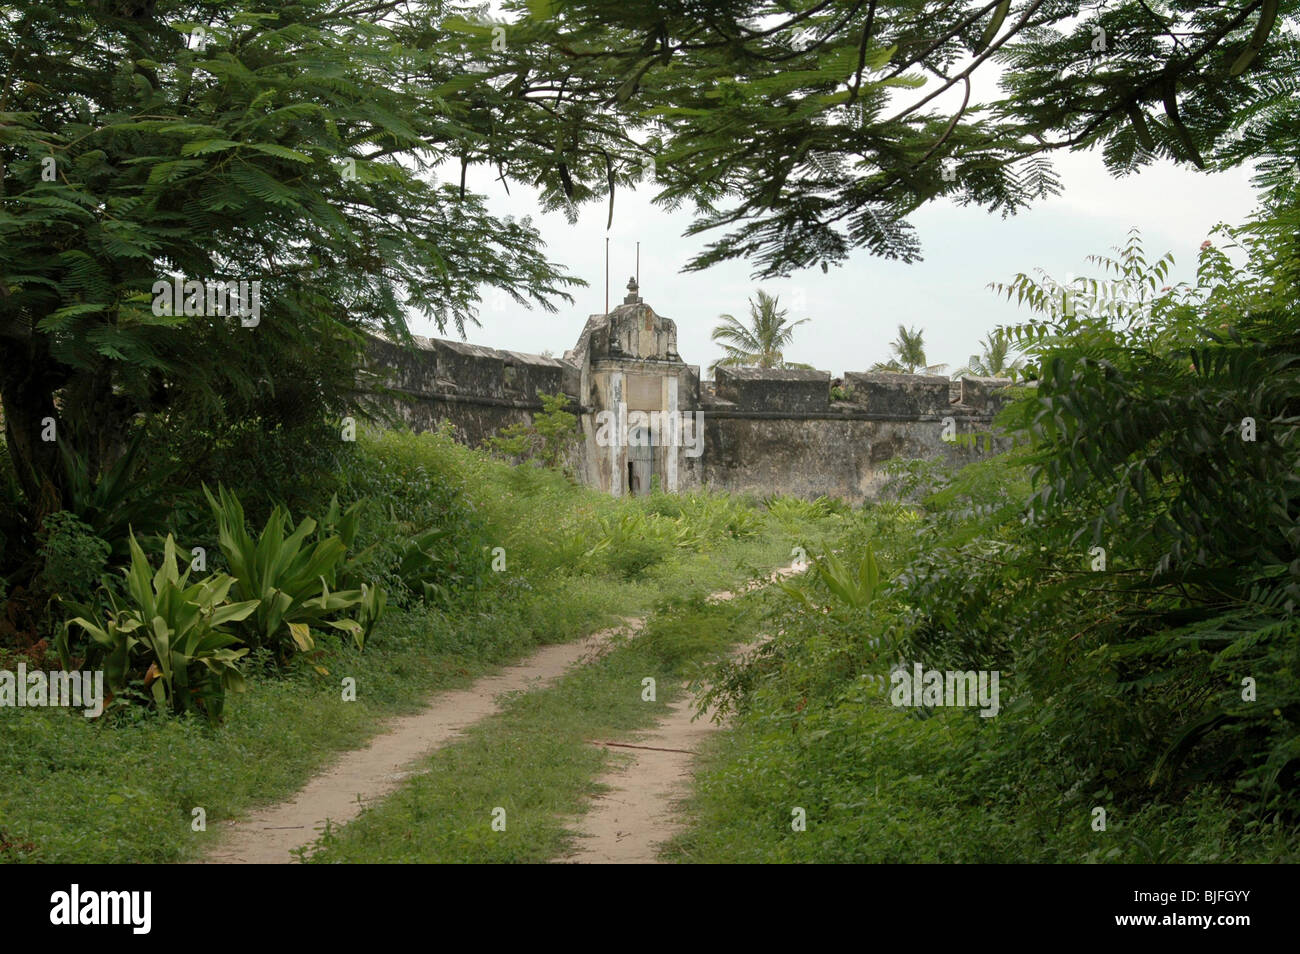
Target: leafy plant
x,y
638,541
419,564
72,556
370,609
116,502
287,576
549,436
854,586
170,634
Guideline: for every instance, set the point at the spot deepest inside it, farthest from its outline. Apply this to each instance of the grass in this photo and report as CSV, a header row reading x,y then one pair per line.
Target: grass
x,y
124,788
886,787
80,791
534,759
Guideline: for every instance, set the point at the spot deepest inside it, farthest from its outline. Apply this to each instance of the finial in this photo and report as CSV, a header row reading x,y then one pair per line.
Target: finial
x,y
632,289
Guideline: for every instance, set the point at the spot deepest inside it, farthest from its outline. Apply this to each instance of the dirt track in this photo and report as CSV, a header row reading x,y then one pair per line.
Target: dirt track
x,y
364,775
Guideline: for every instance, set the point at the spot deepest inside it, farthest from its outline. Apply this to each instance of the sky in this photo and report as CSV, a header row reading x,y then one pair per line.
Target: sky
x,y
855,309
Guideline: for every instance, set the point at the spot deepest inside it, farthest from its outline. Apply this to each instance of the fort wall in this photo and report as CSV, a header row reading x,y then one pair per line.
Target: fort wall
x,y
752,430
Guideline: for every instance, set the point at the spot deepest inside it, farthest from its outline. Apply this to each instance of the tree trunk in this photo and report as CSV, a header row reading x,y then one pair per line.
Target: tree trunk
x,y
29,377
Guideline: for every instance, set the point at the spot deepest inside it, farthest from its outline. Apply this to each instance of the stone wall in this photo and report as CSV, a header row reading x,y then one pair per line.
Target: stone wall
x,y
839,456
772,389
480,390
765,431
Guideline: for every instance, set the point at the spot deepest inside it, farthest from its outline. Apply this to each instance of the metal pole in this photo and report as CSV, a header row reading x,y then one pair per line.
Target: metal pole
x,y
638,264
607,275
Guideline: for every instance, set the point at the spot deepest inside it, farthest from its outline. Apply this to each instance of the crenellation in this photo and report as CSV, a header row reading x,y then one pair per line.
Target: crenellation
x,y
983,394
885,393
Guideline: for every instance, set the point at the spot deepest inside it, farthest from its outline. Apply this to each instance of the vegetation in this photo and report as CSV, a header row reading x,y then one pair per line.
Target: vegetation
x,y
762,342
204,208
909,354
176,629
547,439
996,360
845,128
190,147
1136,595
287,580
289,720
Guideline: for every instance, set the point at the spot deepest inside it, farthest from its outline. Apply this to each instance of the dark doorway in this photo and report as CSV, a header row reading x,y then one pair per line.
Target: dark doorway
x,y
640,461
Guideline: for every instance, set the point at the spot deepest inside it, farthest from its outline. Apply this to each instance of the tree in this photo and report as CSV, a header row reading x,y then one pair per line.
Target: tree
x,y
1164,416
762,342
547,439
285,148
909,354
801,132
996,360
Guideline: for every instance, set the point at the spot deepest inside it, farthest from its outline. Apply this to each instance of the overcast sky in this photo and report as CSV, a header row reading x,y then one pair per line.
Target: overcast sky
x,y
856,309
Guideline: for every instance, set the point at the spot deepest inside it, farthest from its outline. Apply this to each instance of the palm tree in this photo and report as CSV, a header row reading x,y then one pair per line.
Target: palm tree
x,y
909,354
761,342
996,361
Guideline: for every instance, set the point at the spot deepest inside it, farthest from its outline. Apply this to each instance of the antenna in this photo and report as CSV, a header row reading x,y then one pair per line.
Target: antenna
x,y
607,274
638,264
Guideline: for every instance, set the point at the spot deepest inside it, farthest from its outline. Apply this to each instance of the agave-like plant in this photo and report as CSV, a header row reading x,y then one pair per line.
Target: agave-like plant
x,y
288,577
118,501
853,586
174,627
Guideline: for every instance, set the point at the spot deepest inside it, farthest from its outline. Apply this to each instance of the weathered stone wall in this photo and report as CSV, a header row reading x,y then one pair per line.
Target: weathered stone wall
x,y
480,390
839,456
764,431
770,389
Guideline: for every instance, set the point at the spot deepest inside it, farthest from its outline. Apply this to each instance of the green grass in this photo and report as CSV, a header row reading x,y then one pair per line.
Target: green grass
x,y
123,791
123,788
883,786
534,759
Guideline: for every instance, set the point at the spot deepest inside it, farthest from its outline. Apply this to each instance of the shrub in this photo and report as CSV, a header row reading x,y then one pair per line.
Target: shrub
x,y
409,486
73,558
547,440
168,636
287,576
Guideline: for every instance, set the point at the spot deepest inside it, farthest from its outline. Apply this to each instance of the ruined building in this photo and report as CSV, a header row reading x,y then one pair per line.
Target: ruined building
x,y
646,417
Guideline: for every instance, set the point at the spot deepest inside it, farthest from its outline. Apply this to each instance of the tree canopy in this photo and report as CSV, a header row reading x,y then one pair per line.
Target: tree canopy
x,y
288,146
804,130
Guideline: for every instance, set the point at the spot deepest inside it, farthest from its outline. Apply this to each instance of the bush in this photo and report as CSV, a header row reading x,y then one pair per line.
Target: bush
x,y
168,638
548,439
415,495
73,558
290,577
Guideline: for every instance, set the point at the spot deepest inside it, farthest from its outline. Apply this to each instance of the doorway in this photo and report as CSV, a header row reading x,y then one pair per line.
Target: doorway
x,y
640,461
